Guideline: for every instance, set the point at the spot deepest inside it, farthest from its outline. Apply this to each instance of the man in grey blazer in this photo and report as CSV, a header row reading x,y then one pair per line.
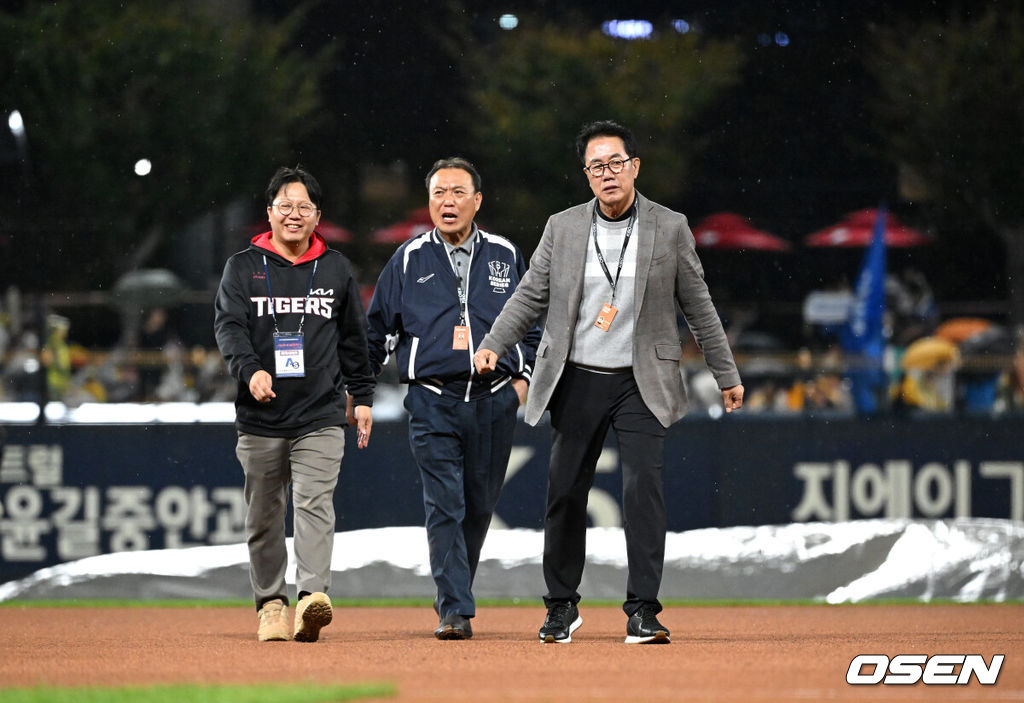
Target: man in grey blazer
x,y
608,275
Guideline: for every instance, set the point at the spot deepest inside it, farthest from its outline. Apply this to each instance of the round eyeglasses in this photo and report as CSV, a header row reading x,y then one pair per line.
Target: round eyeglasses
x,y
613,165
305,209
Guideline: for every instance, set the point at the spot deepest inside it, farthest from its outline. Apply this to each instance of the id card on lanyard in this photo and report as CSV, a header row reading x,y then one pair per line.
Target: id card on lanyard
x,y
460,334
608,310
289,361
289,357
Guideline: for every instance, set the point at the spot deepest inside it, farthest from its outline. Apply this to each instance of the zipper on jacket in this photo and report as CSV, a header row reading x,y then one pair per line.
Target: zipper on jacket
x,y
469,320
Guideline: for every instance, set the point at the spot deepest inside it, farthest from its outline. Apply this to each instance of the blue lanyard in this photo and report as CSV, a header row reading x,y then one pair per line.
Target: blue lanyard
x,y
270,295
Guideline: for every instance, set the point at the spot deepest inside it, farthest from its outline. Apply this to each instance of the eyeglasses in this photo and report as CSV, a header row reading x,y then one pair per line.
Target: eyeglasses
x,y
613,165
305,209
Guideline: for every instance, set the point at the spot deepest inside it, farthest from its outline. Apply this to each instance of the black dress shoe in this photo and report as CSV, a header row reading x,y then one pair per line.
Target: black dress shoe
x,y
454,627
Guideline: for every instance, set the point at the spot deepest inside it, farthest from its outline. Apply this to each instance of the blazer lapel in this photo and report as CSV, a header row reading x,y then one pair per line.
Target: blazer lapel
x,y
647,230
579,232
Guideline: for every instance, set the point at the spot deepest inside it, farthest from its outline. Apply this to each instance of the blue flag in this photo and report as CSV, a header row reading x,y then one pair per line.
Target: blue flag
x,y
862,337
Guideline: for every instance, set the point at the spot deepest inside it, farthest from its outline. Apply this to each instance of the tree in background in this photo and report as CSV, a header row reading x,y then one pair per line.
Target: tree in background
x,y
538,85
951,113
212,97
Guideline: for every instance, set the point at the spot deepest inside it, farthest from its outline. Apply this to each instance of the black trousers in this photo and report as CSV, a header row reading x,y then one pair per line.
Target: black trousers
x,y
585,404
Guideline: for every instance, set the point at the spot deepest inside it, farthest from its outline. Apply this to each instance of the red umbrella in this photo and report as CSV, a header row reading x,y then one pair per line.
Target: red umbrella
x,y
333,232
417,222
857,230
726,230
960,329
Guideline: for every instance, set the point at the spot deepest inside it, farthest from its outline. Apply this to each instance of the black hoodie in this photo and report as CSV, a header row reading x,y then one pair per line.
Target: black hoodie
x,y
334,336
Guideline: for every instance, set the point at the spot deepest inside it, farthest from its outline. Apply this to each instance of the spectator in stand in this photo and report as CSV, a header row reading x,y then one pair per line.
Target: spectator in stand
x,y
56,357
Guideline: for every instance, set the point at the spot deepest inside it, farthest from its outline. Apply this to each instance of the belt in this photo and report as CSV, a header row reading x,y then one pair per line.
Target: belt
x,y
601,369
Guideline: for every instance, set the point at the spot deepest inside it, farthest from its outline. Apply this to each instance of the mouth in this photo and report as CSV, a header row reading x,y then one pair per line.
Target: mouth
x,y
449,218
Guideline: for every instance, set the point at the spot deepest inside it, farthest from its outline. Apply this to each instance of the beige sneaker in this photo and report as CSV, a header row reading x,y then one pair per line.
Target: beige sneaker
x,y
311,613
273,617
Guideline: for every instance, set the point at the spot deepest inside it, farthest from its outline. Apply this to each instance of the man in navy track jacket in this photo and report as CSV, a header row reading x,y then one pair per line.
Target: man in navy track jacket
x,y
434,301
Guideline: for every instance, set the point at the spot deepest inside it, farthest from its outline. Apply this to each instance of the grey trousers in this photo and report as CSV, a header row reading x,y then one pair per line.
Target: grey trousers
x,y
311,464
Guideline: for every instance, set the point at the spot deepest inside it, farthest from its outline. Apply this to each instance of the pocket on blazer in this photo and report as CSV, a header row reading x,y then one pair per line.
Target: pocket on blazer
x,y
668,352
658,258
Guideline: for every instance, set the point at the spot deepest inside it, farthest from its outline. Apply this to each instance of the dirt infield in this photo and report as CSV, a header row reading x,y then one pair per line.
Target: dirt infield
x,y
744,653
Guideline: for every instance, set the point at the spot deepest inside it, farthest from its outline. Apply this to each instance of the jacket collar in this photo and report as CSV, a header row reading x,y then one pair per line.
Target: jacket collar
x,y
474,236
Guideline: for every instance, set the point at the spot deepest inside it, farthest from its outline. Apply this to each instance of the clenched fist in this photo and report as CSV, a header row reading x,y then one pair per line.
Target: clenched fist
x,y
485,361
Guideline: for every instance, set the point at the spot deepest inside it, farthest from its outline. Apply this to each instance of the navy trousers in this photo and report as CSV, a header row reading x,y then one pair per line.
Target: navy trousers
x,y
585,404
462,450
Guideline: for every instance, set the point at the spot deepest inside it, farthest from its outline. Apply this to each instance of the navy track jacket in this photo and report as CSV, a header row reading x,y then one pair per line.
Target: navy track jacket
x,y
334,337
415,309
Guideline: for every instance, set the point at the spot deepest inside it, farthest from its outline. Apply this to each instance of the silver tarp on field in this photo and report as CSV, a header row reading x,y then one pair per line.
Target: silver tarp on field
x,y
962,560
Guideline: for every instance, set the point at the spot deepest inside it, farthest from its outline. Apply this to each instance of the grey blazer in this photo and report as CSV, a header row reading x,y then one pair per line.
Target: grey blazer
x,y
667,271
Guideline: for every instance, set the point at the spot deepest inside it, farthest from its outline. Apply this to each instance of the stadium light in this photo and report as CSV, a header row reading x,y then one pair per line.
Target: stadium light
x,y
16,123
508,21
628,29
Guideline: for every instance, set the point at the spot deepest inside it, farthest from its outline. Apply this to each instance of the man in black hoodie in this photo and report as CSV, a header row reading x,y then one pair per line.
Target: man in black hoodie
x,y
290,325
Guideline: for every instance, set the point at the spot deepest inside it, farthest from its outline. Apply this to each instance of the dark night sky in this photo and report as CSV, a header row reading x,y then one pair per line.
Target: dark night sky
x,y
794,144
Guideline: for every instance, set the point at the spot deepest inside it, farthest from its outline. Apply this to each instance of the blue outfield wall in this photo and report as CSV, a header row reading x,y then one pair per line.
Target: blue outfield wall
x,y
72,491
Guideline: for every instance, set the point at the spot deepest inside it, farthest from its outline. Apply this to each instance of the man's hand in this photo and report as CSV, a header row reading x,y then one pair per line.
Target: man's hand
x,y
733,398
261,385
520,385
485,361
364,421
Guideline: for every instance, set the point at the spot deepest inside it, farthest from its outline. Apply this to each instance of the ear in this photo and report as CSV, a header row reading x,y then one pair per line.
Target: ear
x,y
478,198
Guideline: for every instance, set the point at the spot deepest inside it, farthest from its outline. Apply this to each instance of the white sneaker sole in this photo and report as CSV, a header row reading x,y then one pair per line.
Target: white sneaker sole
x,y
550,639
660,637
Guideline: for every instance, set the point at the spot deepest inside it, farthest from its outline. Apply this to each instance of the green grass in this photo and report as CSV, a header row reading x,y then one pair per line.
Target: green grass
x,y
292,693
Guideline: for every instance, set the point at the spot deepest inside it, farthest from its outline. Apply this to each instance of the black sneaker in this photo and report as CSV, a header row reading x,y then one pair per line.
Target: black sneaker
x,y
563,619
454,627
643,628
